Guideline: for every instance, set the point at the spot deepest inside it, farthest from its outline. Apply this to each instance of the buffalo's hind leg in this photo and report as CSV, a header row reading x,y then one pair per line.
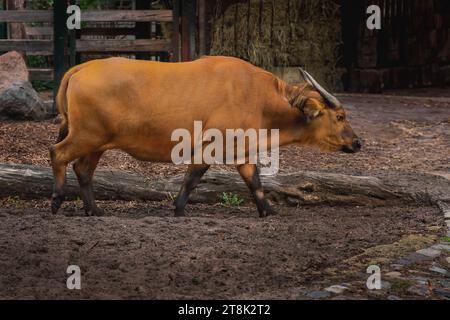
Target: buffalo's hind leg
x,y
61,154
191,180
250,175
84,169
59,176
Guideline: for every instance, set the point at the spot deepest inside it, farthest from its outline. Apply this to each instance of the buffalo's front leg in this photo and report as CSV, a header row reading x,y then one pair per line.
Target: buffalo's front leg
x,y
250,174
84,168
191,180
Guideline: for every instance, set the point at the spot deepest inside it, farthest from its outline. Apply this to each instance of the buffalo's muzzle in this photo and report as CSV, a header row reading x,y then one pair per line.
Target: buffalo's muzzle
x,y
355,147
357,144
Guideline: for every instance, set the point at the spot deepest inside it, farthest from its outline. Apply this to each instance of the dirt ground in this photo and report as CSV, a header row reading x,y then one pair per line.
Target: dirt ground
x,y
138,250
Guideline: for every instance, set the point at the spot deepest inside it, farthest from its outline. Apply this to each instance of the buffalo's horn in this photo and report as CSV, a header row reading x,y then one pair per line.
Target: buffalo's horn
x,y
332,100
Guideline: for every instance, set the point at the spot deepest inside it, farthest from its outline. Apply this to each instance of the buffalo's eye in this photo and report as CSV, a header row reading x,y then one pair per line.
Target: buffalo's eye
x,y
340,117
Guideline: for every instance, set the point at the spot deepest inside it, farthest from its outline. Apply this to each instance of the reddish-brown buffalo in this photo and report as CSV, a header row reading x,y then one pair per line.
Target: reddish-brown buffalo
x,y
135,105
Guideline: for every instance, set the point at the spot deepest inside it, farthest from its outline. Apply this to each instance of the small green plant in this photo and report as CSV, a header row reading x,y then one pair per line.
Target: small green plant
x,y
41,85
231,199
171,197
15,201
399,287
39,62
93,4
195,281
445,239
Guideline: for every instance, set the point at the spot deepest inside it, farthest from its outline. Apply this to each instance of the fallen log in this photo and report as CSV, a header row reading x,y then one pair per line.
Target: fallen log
x,y
34,182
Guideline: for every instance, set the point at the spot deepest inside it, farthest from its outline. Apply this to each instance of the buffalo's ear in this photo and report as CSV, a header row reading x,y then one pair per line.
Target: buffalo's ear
x,y
312,109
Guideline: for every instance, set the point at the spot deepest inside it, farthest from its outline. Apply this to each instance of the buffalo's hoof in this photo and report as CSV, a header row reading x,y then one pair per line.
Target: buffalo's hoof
x,y
271,212
96,212
180,213
57,201
267,212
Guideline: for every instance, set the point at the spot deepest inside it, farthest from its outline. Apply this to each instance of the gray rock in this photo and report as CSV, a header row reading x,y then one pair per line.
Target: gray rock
x,y
442,246
413,258
438,270
393,274
336,289
445,283
448,260
18,99
442,292
385,285
418,290
318,294
429,252
393,298
345,298
421,280
397,267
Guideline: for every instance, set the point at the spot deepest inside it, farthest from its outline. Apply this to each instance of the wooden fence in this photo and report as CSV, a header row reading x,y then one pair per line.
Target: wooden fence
x,y
58,46
47,34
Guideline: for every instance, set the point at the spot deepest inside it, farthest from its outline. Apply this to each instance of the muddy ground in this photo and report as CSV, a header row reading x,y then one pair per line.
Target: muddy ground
x,y
138,250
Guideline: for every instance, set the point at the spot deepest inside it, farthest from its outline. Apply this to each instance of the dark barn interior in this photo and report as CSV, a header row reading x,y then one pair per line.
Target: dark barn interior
x,y
412,49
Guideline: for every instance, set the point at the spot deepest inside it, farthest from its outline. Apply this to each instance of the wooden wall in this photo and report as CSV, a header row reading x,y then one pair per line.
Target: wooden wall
x,y
411,50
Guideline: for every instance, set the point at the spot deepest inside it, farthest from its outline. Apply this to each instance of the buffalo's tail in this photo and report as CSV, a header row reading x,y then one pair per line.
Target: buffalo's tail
x,y
61,100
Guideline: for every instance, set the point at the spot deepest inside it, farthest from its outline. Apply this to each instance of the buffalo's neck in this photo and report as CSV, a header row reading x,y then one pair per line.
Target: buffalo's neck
x,y
287,121
282,113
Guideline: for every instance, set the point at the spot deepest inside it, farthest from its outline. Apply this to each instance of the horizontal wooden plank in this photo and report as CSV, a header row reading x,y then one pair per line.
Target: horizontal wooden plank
x,y
45,47
39,31
40,53
88,15
108,31
26,16
126,15
37,46
140,45
41,74
48,31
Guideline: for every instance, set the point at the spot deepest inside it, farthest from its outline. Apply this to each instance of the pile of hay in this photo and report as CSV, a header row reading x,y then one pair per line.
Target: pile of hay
x,y
301,33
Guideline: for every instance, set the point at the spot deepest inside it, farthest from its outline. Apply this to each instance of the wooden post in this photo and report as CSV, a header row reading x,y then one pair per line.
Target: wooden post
x,y
16,29
288,18
176,31
143,30
3,31
235,32
353,28
59,43
272,18
249,8
72,44
201,27
260,19
188,27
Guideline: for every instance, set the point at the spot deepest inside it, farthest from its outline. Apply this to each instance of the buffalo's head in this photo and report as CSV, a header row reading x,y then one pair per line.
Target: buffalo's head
x,y
324,121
